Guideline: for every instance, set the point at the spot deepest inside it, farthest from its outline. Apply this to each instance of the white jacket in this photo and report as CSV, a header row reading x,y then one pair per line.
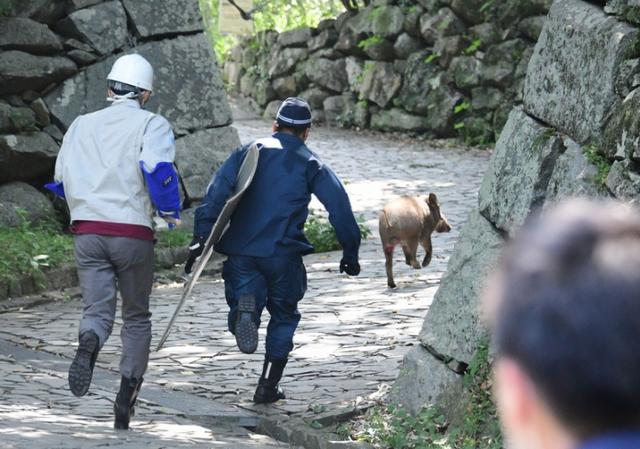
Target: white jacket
x,y
99,163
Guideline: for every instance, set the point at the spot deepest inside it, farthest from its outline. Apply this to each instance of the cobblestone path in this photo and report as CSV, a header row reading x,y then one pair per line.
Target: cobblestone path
x,y
197,392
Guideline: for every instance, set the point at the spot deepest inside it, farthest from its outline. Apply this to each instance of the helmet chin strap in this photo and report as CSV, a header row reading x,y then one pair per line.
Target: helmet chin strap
x,y
128,96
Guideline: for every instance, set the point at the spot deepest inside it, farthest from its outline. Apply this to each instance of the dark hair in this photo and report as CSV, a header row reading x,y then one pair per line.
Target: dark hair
x,y
119,88
297,130
566,307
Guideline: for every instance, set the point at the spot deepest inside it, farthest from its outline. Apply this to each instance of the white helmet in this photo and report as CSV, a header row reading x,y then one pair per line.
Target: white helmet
x,y
134,70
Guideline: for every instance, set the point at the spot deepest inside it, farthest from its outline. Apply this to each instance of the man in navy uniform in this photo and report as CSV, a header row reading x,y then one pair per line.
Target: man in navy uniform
x,y
265,241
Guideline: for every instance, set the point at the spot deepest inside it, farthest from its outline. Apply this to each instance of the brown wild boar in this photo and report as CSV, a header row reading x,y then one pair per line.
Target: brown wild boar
x,y
409,221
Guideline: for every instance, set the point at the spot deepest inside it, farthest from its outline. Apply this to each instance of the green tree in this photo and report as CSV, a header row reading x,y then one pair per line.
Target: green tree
x,y
279,15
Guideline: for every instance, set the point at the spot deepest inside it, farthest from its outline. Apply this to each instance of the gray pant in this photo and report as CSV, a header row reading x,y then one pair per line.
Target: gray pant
x,y
106,264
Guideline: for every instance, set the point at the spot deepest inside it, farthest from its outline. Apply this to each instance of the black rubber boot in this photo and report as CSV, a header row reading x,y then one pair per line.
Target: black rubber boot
x,y
246,330
124,407
268,390
81,369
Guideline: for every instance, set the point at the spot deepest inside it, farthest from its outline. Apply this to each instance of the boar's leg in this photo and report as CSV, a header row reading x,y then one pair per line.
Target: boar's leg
x,y
388,255
412,244
428,248
407,254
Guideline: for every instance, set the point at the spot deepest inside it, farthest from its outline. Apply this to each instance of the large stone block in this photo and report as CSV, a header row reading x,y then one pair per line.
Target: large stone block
x,y
452,327
103,26
406,45
19,196
188,87
334,108
381,20
397,119
21,71
354,68
519,171
329,74
426,381
18,33
573,175
200,154
285,87
442,100
419,77
622,131
233,72
324,39
469,10
286,60
42,11
386,20
25,157
380,83
16,119
295,38
572,73
162,17
625,9
315,96
624,182
444,23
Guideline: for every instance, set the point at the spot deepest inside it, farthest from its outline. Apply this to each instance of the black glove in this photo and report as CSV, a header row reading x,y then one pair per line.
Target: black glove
x,y
351,268
195,250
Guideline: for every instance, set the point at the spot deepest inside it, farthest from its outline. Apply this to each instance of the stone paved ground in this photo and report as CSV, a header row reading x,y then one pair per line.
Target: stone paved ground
x,y
353,333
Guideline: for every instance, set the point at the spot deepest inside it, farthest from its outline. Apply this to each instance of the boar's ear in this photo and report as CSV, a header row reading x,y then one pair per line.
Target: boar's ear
x,y
432,200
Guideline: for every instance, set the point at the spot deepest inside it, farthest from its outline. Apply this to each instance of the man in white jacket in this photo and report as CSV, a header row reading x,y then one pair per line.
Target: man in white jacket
x,y
114,166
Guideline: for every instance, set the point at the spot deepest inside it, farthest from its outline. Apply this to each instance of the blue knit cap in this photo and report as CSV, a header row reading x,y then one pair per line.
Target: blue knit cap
x,y
294,112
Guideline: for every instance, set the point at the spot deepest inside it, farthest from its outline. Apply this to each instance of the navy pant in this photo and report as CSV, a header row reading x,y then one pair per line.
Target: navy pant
x,y
277,283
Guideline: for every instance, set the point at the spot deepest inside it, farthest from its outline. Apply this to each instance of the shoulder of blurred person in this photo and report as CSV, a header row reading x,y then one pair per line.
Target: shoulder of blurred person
x,y
564,309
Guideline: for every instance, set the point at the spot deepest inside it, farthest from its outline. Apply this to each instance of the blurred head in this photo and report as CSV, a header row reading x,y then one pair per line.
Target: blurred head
x,y
131,77
294,117
564,307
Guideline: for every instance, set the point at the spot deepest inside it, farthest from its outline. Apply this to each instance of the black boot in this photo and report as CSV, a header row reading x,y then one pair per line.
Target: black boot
x,y
268,390
123,408
246,331
81,369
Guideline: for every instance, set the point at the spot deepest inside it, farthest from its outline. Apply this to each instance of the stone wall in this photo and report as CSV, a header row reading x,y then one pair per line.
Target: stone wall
x,y
54,57
445,67
576,134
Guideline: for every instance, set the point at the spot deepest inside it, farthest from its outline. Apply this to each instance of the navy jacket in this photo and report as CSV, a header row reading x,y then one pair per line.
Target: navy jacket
x,y
619,440
269,220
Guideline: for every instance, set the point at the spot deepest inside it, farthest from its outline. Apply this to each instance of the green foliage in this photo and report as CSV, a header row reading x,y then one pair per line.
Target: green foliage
x,y
279,15
431,58
175,238
5,7
283,15
458,126
29,249
487,7
594,156
459,108
370,41
413,9
323,237
375,12
444,24
222,44
368,67
473,47
393,427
